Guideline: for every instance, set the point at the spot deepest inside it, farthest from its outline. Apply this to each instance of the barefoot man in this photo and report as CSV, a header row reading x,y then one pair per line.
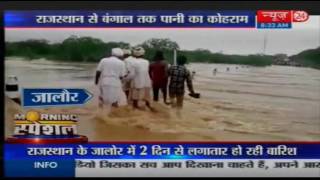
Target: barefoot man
x,y
141,81
127,84
159,74
178,75
109,73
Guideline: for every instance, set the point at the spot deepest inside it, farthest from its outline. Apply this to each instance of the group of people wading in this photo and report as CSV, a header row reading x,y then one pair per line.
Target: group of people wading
x,y
126,77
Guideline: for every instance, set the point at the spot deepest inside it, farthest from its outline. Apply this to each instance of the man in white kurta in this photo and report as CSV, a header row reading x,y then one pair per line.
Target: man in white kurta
x,y
110,71
141,81
127,82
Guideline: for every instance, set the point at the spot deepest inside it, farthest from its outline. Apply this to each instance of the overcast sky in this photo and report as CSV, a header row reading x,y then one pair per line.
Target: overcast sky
x,y
229,41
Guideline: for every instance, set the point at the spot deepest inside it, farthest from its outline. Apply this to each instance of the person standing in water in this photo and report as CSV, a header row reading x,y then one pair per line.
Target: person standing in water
x,y
141,81
110,72
127,82
193,75
159,75
178,75
214,71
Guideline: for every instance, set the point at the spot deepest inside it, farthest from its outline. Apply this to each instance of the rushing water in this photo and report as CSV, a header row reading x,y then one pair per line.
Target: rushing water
x,y
244,103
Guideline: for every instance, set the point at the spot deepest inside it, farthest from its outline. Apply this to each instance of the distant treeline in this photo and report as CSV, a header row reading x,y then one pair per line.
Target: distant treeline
x,y
88,49
308,58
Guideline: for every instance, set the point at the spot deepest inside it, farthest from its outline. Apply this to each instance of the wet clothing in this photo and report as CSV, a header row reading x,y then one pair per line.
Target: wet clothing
x,y
127,81
159,73
178,75
129,68
141,82
112,70
111,94
141,78
179,100
156,93
141,94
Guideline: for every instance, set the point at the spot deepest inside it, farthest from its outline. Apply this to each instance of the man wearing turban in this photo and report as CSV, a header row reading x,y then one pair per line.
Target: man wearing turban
x,y
110,72
128,60
141,81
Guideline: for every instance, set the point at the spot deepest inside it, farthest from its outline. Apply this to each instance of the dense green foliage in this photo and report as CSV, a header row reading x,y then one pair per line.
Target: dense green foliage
x,y
309,58
84,49
88,49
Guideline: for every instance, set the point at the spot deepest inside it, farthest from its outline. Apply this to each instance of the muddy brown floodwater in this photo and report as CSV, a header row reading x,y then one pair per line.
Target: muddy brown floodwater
x,y
272,103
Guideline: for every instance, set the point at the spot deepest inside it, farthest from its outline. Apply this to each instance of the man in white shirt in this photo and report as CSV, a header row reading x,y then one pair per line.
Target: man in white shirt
x,y
141,81
127,82
110,72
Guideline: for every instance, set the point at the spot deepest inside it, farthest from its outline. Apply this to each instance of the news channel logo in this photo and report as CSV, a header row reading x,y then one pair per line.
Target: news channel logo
x,y
54,97
279,19
43,128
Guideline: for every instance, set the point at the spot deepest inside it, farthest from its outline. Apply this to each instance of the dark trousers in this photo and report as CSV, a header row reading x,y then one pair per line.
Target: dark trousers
x,y
156,93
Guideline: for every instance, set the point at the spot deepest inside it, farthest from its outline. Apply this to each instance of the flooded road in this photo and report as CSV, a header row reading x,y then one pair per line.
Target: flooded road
x,y
242,103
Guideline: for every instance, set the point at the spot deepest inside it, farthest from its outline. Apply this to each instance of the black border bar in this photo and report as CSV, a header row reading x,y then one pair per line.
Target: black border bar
x,y
312,7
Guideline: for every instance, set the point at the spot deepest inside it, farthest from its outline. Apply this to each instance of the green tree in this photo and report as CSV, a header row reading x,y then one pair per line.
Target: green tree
x,y
160,44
